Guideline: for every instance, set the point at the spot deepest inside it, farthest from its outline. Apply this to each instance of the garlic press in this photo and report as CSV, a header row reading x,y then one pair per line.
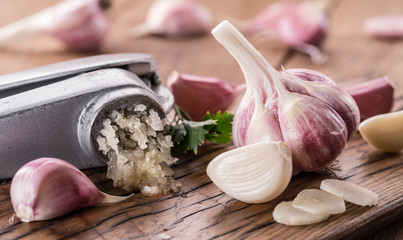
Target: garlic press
x,y
56,110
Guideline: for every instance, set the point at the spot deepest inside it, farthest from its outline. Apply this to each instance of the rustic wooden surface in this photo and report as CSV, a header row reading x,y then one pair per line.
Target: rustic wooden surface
x,y
200,210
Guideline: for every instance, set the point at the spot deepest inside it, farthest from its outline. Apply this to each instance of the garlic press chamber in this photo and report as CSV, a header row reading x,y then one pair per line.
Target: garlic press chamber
x,y
56,110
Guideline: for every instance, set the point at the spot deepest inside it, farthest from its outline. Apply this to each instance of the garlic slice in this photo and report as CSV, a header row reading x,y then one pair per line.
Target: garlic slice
x,y
384,131
254,173
317,201
286,214
350,192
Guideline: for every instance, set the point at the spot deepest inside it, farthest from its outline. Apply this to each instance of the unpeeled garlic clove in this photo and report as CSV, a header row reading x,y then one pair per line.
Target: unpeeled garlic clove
x,y
384,131
373,97
47,188
254,173
175,18
199,94
317,201
350,192
285,213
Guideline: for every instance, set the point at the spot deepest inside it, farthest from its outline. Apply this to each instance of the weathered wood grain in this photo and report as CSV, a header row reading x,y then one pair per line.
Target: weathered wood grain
x,y
200,210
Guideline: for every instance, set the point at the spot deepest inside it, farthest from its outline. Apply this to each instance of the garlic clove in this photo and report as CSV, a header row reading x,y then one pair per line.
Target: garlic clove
x,y
384,131
200,94
285,213
175,18
307,125
323,88
254,173
385,26
47,188
317,201
373,97
350,192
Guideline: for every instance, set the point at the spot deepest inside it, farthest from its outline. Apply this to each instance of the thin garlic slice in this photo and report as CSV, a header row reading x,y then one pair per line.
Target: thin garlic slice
x,y
286,214
350,192
317,201
384,131
254,173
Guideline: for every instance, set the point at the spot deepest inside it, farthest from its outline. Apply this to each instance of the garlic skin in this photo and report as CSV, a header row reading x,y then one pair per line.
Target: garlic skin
x,y
373,97
79,24
254,173
175,18
47,188
199,94
306,110
384,131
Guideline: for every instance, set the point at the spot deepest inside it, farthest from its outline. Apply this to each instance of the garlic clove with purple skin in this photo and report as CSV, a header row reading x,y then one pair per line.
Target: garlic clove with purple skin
x,y
175,18
47,188
373,97
199,94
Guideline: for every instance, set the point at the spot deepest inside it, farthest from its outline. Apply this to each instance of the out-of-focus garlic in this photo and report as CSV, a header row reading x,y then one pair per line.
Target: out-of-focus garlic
x,y
373,97
286,214
386,26
317,201
80,24
384,131
305,110
302,26
175,18
254,173
199,94
47,188
350,192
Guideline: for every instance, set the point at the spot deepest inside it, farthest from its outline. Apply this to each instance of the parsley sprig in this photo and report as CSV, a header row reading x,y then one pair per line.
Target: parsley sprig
x,y
188,135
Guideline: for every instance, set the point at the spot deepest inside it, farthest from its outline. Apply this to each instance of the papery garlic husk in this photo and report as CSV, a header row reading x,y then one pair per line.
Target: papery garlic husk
x,y
317,201
254,173
311,115
285,213
47,188
350,192
200,94
384,26
175,18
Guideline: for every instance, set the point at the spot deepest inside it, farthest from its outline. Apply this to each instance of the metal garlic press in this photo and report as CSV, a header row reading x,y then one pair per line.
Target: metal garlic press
x,y
56,110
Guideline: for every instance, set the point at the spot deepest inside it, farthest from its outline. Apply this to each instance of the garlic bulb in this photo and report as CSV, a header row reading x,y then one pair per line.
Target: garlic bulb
x,y
303,108
254,173
47,188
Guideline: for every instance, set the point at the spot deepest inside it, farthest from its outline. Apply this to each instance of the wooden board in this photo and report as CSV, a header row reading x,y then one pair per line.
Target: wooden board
x,y
201,210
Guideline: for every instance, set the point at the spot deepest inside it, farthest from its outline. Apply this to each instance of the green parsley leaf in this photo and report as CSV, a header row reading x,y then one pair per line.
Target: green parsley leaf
x,y
220,132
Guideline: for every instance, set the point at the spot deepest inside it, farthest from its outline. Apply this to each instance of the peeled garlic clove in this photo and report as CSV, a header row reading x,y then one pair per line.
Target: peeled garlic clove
x,y
384,131
47,188
350,192
286,214
317,201
373,97
199,94
175,18
254,173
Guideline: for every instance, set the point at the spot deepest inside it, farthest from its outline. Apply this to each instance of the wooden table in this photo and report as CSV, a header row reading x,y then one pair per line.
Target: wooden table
x,y
201,210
